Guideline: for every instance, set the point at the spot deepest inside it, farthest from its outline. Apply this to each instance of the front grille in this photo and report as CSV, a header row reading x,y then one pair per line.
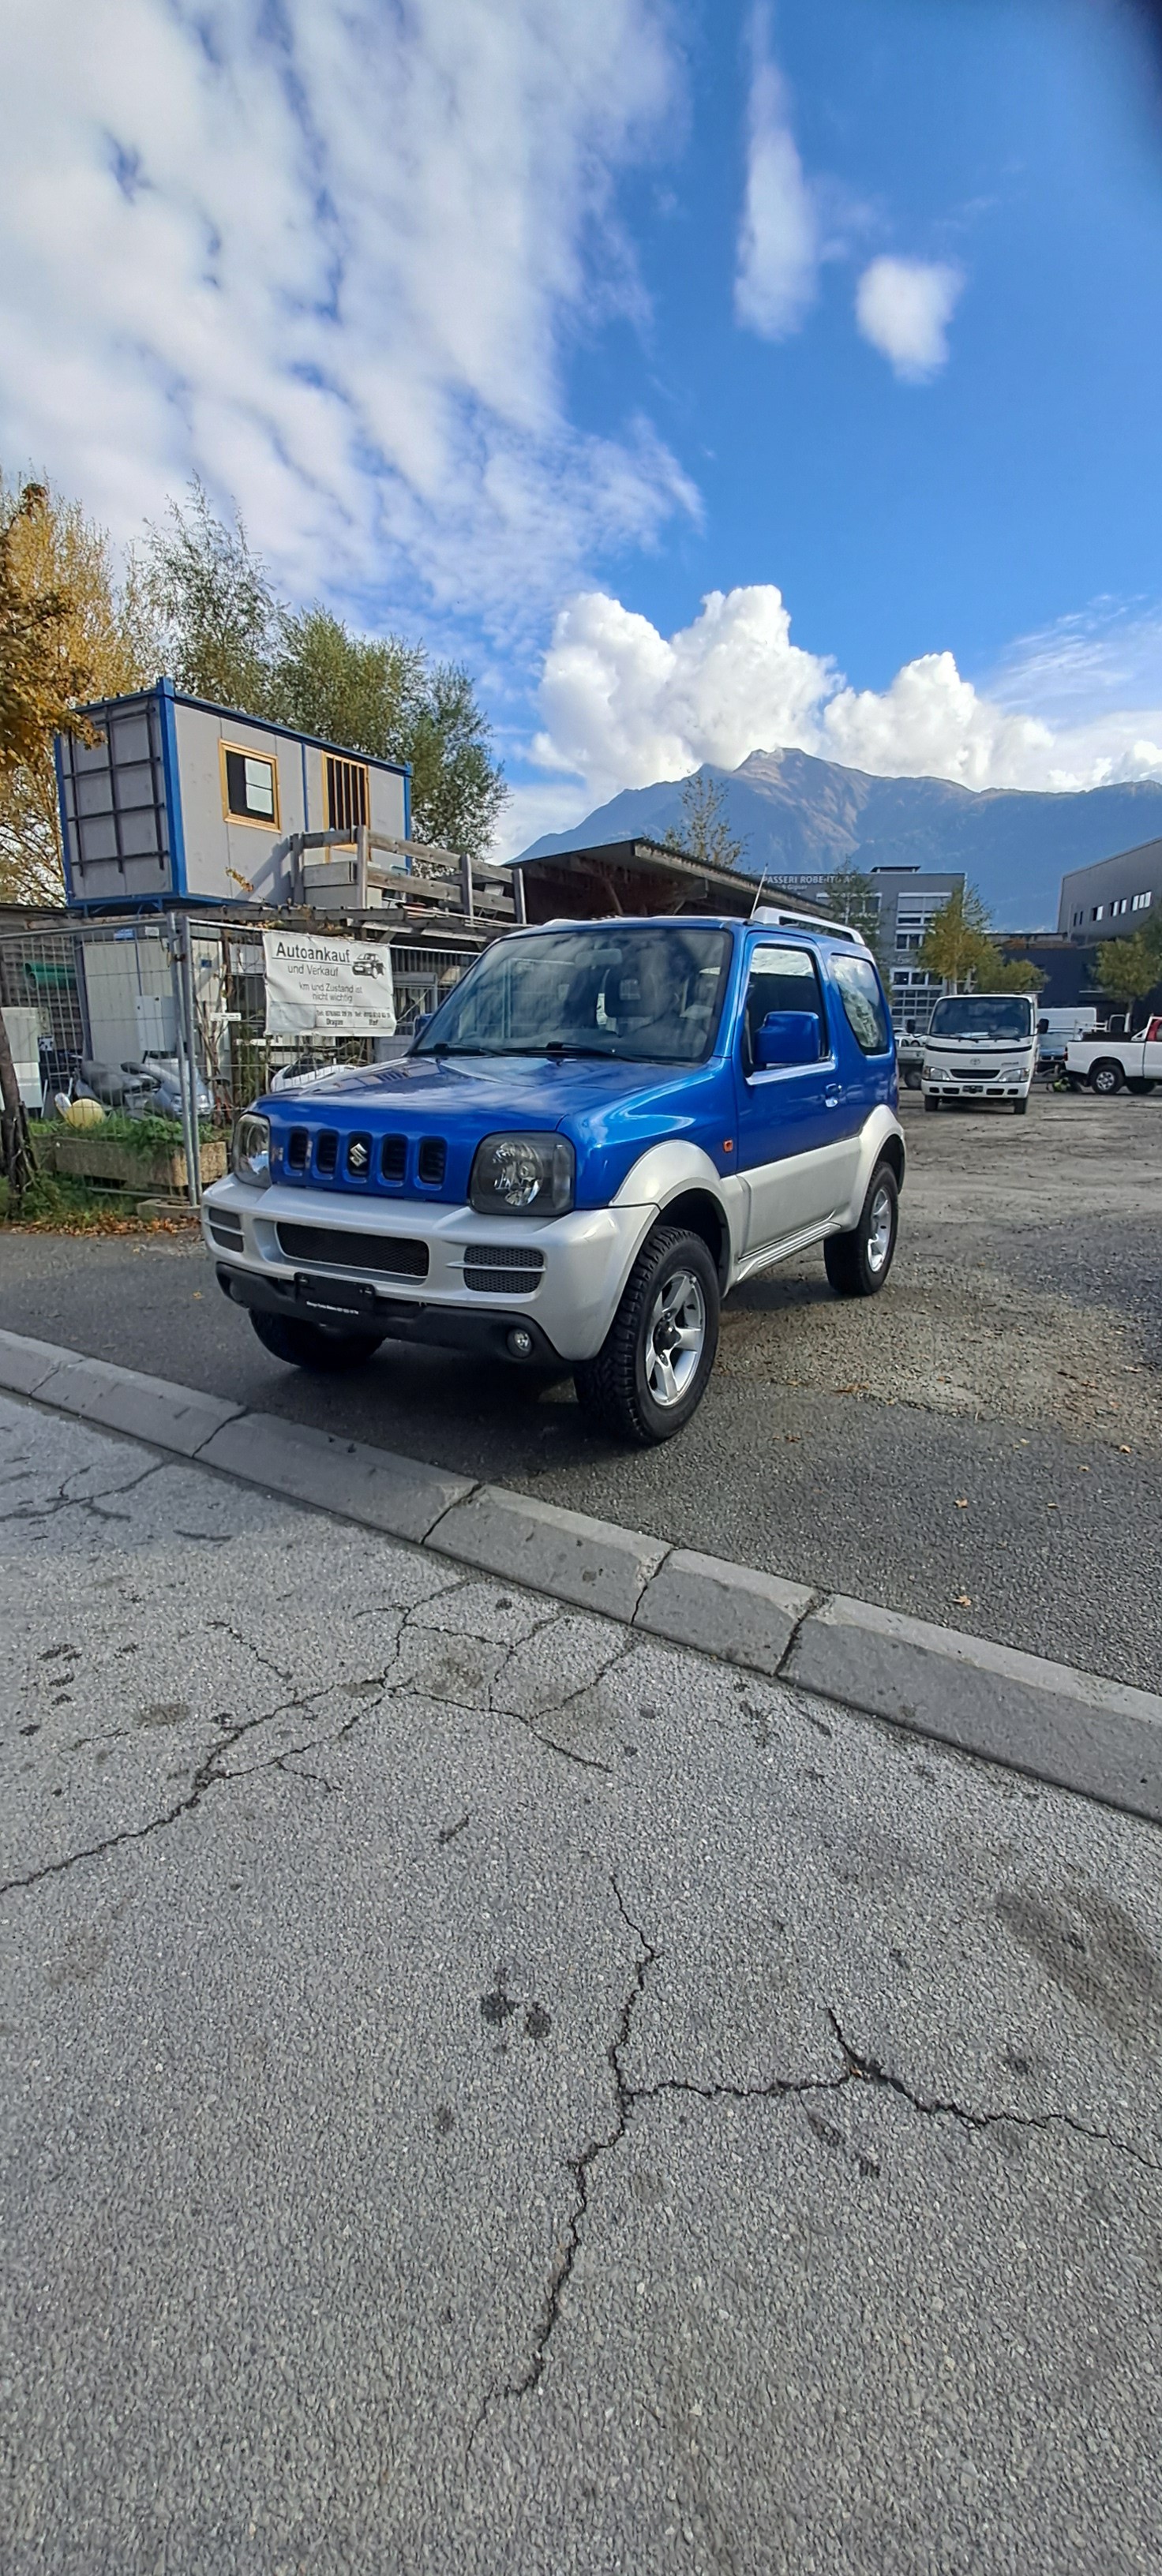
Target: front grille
x,y
503,1269
395,1256
327,1150
298,1149
432,1160
226,1231
393,1158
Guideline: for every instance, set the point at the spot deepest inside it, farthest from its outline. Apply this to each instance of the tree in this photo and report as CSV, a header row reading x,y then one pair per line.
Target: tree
x,y
852,898
216,612
1015,975
704,832
68,632
230,639
1128,969
381,695
956,945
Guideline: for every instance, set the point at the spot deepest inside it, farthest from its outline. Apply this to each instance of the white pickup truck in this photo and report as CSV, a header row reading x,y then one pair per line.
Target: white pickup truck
x,y
1106,1063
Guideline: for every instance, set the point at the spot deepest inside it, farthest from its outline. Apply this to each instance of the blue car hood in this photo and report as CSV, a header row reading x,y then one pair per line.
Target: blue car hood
x,y
611,1109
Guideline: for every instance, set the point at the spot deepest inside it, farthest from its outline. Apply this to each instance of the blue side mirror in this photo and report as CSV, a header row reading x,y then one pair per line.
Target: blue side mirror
x,y
785,1038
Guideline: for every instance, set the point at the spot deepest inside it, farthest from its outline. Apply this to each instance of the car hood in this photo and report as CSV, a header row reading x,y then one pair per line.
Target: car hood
x,y
525,1091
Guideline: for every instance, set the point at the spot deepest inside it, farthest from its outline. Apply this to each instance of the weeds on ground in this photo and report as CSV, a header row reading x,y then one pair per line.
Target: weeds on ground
x,y
52,1206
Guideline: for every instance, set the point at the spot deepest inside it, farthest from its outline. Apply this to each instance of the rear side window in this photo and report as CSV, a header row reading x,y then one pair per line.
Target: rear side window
x,y
863,1002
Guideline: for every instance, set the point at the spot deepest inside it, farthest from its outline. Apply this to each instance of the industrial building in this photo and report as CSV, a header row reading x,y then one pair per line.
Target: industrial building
x,y
1113,898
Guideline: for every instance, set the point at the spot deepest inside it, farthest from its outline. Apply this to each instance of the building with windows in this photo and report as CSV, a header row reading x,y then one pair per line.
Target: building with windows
x,y
181,801
1114,897
900,907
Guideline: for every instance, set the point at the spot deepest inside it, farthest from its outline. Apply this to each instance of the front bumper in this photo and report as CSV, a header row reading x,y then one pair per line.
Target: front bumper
x,y
567,1309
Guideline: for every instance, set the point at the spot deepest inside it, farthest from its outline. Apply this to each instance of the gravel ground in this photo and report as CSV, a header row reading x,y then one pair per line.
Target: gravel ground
x,y
979,1446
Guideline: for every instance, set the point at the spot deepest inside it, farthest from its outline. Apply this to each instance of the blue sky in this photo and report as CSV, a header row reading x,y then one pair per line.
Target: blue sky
x,y
533,325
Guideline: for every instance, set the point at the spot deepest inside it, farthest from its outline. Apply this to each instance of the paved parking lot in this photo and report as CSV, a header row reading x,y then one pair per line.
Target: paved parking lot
x,y
980,1446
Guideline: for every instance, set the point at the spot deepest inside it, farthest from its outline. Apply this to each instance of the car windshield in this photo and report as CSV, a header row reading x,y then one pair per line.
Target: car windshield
x,y
643,994
983,1015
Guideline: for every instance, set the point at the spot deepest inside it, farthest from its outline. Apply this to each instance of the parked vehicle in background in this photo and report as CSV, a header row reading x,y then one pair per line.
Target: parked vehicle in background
x,y
1055,1029
980,1046
910,1055
606,1126
1106,1063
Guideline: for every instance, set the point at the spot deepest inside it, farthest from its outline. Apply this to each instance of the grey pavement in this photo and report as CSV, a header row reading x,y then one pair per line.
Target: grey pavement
x,y
492,2091
980,1447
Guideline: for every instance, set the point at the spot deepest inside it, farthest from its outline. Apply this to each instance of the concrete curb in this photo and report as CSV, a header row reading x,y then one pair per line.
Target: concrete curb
x,y
1076,1730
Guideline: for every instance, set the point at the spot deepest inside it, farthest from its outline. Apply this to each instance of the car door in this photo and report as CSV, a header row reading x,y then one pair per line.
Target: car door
x,y
786,1150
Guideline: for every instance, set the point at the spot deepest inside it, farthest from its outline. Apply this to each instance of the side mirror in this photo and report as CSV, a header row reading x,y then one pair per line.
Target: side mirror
x,y
786,1038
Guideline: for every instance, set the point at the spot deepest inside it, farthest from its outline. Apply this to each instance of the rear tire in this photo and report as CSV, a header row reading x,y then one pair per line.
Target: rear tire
x,y
1139,1083
858,1261
651,1371
313,1346
1106,1077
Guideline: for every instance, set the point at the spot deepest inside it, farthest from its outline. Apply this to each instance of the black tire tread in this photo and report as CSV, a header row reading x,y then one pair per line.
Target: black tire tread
x,y
607,1384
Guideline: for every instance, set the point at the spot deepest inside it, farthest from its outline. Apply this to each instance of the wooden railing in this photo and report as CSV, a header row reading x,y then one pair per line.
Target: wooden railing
x,y
419,877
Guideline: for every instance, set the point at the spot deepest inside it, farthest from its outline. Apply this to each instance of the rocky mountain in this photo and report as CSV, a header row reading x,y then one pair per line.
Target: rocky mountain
x,y
798,814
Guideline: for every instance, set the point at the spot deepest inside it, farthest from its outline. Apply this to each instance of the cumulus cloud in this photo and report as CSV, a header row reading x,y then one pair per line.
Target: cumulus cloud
x,y
323,252
778,244
904,306
624,705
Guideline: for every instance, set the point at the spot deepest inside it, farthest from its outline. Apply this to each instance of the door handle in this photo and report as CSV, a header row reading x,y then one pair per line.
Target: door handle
x,y
831,1099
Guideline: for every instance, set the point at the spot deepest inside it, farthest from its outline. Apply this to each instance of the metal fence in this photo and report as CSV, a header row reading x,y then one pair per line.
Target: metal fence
x,y
178,991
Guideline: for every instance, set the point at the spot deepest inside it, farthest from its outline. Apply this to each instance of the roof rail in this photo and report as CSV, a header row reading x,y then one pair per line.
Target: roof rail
x,y
775,916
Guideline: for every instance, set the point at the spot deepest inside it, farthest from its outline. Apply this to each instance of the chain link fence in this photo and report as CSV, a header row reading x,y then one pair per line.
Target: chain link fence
x,y
99,1005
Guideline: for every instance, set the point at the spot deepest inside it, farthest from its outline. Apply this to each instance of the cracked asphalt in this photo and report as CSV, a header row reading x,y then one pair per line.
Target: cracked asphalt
x,y
488,2091
980,1446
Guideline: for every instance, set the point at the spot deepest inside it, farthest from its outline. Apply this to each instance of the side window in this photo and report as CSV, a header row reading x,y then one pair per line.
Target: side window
x,y
249,787
863,1003
781,979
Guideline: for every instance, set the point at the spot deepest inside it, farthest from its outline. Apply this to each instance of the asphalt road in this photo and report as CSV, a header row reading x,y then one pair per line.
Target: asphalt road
x,y
487,2092
980,1445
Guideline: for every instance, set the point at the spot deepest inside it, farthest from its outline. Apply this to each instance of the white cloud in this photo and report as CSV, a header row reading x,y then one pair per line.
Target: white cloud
x,y
778,243
325,252
903,306
624,705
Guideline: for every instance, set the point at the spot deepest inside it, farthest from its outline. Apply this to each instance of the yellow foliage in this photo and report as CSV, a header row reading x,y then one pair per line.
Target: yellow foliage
x,y
71,632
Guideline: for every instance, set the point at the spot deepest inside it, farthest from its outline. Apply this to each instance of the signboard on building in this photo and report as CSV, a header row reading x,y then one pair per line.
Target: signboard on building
x,y
338,988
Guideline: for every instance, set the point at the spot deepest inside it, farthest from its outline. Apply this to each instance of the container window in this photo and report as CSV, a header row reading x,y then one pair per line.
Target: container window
x,y
250,784
347,797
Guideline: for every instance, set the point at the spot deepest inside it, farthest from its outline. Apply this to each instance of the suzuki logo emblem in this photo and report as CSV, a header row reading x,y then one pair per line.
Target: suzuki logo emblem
x,y
357,1157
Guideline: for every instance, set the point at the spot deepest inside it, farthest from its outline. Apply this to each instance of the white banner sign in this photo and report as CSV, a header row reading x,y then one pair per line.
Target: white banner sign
x,y
338,988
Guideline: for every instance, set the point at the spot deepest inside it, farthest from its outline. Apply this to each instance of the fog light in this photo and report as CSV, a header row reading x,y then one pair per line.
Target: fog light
x,y
520,1343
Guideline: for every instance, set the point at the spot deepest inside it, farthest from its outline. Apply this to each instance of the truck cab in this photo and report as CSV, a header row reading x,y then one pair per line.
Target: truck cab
x,y
980,1046
604,1128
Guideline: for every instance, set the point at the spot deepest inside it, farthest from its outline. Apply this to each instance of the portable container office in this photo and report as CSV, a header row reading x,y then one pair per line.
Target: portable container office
x,y
179,801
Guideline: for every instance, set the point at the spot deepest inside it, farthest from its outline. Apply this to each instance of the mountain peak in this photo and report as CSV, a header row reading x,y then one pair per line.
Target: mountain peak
x,y
799,815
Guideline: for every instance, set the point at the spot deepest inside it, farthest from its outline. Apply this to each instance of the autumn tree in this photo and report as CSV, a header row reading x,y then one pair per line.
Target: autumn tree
x,y
703,831
69,632
1128,969
956,945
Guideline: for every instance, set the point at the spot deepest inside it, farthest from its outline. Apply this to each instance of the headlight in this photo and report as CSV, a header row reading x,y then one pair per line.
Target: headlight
x,y
929,1073
523,1176
250,1150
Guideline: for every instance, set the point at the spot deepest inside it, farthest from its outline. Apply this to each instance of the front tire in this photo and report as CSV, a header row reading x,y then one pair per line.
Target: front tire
x,y
930,1100
650,1373
313,1346
1020,1108
1106,1077
858,1261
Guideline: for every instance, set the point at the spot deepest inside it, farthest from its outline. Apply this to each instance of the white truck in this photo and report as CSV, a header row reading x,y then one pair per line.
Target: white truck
x,y
1106,1063
980,1046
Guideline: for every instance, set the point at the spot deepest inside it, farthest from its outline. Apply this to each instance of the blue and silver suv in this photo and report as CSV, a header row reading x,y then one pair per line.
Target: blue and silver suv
x,y
603,1129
